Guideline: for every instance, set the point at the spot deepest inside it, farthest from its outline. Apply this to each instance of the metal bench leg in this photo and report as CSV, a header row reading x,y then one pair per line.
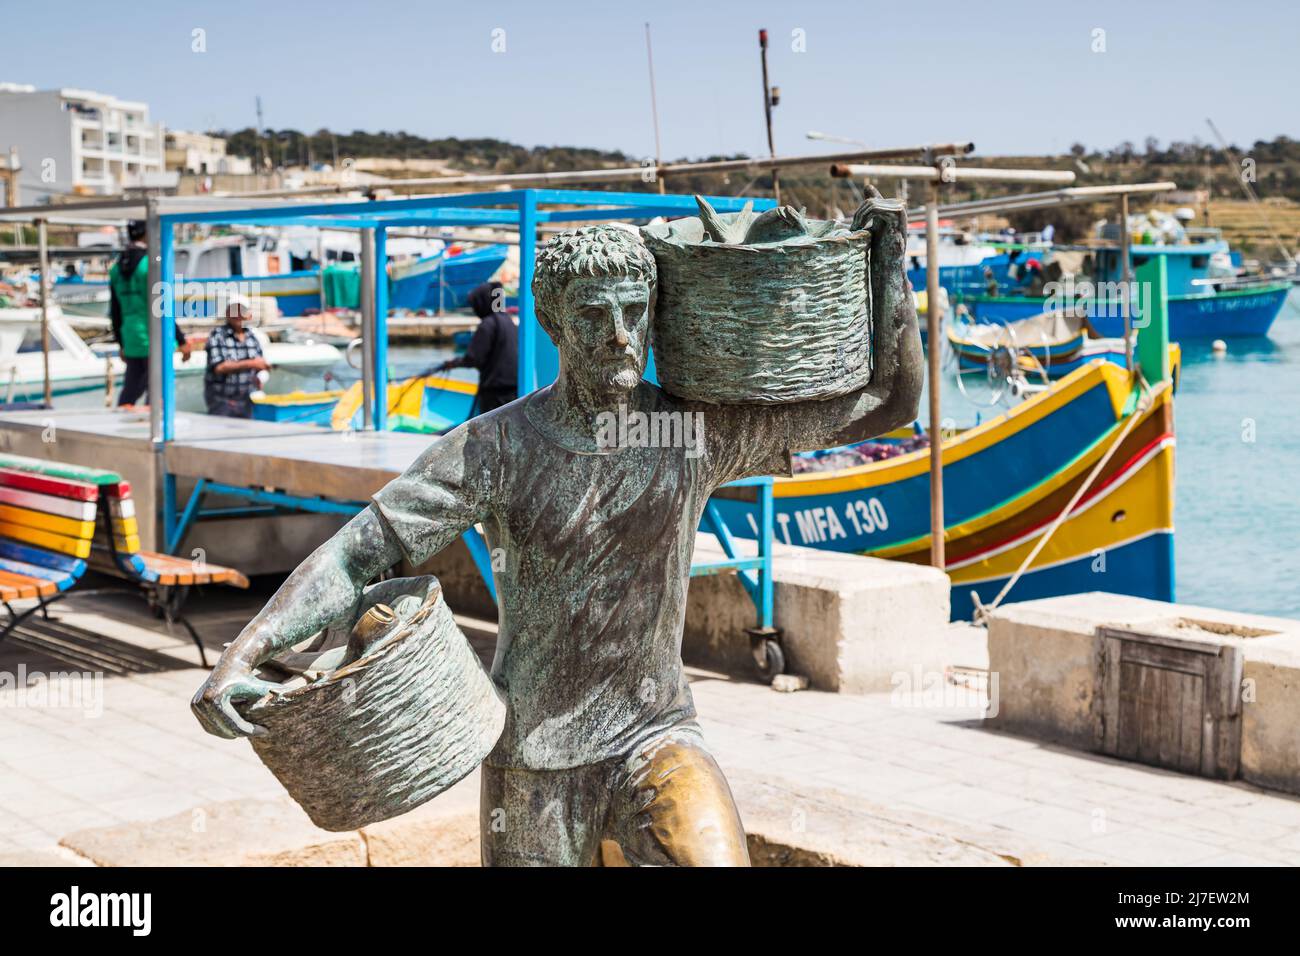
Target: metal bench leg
x,y
173,599
40,605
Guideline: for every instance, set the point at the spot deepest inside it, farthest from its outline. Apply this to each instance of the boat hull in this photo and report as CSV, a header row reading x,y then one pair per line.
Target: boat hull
x,y
439,284
1231,314
1005,481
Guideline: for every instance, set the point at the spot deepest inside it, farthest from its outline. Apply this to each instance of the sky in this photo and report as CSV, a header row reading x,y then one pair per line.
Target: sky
x,y
1014,78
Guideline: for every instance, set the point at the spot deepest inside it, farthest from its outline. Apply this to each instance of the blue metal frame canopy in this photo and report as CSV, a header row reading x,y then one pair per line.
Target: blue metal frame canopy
x,y
538,361
523,208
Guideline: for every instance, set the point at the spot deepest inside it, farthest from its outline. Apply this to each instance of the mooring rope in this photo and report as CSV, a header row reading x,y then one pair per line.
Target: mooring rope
x,y
982,611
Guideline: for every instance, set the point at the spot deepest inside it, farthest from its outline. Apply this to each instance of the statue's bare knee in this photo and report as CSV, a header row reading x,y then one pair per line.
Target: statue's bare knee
x,y
676,809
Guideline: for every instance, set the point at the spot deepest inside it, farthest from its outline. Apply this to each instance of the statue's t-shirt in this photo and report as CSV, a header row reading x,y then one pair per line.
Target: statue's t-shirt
x,y
592,556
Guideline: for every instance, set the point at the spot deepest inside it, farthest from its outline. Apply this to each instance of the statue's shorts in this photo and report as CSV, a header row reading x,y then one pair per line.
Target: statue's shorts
x,y
667,804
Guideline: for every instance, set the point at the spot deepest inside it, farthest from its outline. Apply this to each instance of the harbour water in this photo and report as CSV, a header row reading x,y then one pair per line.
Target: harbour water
x,y
1238,524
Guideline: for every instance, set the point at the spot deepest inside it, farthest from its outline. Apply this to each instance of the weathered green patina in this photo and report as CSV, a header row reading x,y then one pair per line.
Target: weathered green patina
x,y
593,543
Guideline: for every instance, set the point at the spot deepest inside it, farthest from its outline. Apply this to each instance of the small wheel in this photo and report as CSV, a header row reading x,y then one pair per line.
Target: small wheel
x,y
773,661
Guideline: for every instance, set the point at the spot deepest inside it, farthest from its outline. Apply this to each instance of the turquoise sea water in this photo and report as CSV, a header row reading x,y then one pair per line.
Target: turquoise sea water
x,y
1238,474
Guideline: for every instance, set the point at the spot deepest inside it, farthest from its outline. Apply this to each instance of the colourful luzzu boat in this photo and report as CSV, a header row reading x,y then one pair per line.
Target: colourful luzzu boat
x,y
1004,482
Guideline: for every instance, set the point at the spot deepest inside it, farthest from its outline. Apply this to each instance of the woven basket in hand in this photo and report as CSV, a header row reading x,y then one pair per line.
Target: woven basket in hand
x,y
765,322
391,730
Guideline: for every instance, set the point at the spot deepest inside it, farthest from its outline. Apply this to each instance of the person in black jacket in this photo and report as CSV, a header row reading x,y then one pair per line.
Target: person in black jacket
x,y
494,349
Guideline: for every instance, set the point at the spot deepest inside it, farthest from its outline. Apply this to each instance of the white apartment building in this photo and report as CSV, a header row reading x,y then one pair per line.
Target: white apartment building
x,y
78,141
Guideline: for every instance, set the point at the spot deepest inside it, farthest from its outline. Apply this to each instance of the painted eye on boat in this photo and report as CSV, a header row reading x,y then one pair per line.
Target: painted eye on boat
x,y
1118,516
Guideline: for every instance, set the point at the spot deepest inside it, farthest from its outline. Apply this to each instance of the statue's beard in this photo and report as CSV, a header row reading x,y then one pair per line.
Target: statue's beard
x,y
620,379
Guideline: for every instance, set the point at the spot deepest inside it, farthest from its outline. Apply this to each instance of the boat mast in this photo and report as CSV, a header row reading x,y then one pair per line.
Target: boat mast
x,y
1231,159
654,109
770,99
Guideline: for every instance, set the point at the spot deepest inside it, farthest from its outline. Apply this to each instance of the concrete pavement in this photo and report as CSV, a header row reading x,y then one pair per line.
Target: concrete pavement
x,y
907,777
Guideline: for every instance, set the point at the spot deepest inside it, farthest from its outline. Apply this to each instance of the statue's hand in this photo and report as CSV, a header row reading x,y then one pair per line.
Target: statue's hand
x,y
886,219
214,706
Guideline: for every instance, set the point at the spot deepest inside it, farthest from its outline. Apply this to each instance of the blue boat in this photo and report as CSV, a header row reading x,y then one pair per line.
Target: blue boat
x,y
434,283
1197,307
439,283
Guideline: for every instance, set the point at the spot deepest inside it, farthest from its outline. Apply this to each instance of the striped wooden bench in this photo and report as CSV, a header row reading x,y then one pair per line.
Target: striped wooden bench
x,y
91,524
46,527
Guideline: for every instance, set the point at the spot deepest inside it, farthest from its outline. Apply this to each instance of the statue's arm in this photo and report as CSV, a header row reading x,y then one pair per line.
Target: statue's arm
x,y
893,396
322,590
445,492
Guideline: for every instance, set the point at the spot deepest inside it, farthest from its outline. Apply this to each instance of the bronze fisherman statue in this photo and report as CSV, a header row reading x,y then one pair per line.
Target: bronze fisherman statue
x,y
600,759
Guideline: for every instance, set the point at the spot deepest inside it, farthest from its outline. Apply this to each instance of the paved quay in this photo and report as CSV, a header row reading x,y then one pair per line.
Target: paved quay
x,y
880,779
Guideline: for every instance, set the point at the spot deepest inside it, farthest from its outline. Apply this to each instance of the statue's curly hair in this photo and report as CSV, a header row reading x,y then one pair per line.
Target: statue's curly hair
x,y
589,252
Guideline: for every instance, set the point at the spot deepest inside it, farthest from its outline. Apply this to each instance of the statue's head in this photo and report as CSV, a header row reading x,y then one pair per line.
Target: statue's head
x,y
594,289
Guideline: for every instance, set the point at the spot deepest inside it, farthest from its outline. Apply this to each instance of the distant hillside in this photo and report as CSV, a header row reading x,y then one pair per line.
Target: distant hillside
x,y
294,148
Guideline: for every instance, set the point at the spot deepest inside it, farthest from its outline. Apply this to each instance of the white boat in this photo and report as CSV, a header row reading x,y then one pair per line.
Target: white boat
x,y
76,368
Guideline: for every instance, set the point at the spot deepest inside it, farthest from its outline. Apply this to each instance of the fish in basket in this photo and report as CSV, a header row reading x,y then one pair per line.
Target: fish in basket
x,y
407,713
765,308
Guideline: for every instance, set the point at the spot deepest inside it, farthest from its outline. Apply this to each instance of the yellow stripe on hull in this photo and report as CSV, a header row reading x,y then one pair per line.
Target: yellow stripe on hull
x,y
1137,505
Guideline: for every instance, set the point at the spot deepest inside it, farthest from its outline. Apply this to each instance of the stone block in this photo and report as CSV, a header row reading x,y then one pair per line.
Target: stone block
x,y
850,623
1046,660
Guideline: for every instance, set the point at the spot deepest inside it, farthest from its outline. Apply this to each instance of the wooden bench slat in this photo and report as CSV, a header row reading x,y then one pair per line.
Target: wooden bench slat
x,y
47,522
125,526
18,551
29,481
27,587
121,507
58,469
77,547
60,579
51,504
169,564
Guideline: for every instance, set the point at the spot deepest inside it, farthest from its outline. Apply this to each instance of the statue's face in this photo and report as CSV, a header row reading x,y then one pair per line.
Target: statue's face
x,y
605,331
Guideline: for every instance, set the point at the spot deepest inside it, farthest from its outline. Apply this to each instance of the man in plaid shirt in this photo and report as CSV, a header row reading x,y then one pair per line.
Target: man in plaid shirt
x,y
234,361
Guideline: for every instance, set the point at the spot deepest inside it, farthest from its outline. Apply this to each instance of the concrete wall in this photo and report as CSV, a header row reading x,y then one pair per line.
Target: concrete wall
x,y
260,545
850,623
1047,660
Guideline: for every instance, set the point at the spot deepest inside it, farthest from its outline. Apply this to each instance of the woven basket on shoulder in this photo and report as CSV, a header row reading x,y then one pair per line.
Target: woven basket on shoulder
x,y
760,323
